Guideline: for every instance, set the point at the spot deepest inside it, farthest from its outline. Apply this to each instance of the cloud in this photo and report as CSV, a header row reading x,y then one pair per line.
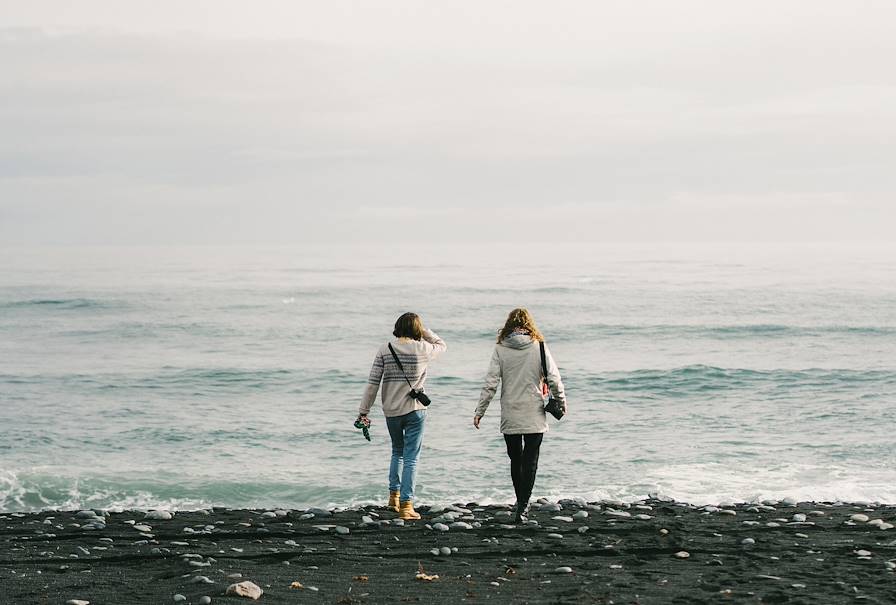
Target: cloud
x,y
164,137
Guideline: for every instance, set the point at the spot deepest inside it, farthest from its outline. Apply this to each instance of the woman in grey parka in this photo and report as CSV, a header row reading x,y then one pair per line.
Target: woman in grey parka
x,y
516,364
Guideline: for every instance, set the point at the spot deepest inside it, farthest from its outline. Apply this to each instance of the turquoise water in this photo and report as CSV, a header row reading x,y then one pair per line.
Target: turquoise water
x,y
188,377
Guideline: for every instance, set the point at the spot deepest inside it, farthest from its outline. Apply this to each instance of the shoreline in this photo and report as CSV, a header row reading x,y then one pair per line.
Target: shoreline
x,y
574,552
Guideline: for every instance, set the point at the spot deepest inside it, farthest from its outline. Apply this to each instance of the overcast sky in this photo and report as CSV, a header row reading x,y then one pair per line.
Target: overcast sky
x,y
290,121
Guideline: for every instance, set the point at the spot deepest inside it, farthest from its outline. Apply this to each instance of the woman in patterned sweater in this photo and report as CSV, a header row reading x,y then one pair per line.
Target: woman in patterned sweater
x,y
414,346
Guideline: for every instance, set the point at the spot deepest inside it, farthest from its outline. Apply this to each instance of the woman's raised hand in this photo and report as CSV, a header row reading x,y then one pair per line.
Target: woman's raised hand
x,y
476,421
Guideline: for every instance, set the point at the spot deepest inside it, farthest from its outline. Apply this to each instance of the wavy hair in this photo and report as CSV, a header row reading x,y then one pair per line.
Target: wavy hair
x,y
520,319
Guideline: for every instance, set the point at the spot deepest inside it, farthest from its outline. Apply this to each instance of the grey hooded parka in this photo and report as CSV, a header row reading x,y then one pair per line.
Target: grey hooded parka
x,y
516,364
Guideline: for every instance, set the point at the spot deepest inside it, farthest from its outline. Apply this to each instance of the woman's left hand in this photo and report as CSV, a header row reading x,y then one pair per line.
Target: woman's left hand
x,y
476,420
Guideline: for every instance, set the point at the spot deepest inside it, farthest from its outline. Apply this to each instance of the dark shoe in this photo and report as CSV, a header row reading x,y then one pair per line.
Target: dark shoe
x,y
522,512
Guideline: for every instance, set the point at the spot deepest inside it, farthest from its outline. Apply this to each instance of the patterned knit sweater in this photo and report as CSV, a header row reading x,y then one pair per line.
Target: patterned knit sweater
x,y
415,355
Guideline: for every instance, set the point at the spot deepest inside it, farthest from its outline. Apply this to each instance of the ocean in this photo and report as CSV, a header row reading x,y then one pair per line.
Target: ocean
x,y
186,377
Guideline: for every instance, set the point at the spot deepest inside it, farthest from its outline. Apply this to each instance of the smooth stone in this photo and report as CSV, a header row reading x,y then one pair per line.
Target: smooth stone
x,y
445,551
582,514
682,554
554,536
306,516
563,569
269,515
804,536
748,541
863,553
561,518
319,512
247,589
788,501
730,513
158,515
772,524
551,508
859,518
201,580
77,602
368,520
461,525
398,522
205,600
85,514
434,551
617,513
885,526
179,598
342,531
799,517
440,527
643,517
142,528
583,529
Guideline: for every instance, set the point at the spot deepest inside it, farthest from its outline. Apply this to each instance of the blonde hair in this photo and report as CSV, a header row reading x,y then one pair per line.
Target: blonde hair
x,y
520,319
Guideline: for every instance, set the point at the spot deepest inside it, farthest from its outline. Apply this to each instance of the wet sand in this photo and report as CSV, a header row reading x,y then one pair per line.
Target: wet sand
x,y
619,553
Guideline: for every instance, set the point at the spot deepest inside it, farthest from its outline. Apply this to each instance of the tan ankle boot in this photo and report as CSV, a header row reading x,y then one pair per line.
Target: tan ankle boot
x,y
393,501
406,511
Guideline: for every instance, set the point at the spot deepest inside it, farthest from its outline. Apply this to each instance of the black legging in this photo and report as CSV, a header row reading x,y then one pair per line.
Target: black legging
x,y
523,463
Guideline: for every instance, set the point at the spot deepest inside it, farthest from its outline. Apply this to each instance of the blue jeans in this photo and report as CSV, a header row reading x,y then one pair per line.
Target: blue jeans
x,y
407,438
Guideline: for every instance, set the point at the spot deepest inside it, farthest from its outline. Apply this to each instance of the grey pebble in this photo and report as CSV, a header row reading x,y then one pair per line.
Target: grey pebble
x,y
201,580
206,600
582,514
440,527
342,531
179,598
461,525
555,536
445,551
563,569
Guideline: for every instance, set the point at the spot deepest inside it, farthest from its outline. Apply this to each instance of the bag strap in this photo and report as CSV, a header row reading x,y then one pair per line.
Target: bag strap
x,y
400,367
544,362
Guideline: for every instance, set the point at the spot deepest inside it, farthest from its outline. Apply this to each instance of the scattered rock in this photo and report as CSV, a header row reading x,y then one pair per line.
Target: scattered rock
x,y
179,598
748,541
440,527
799,517
249,590
859,518
77,602
563,569
682,554
342,531
206,600
158,515
201,580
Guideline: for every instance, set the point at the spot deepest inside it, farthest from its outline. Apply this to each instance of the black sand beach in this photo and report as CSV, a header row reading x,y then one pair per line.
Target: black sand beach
x,y
800,553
